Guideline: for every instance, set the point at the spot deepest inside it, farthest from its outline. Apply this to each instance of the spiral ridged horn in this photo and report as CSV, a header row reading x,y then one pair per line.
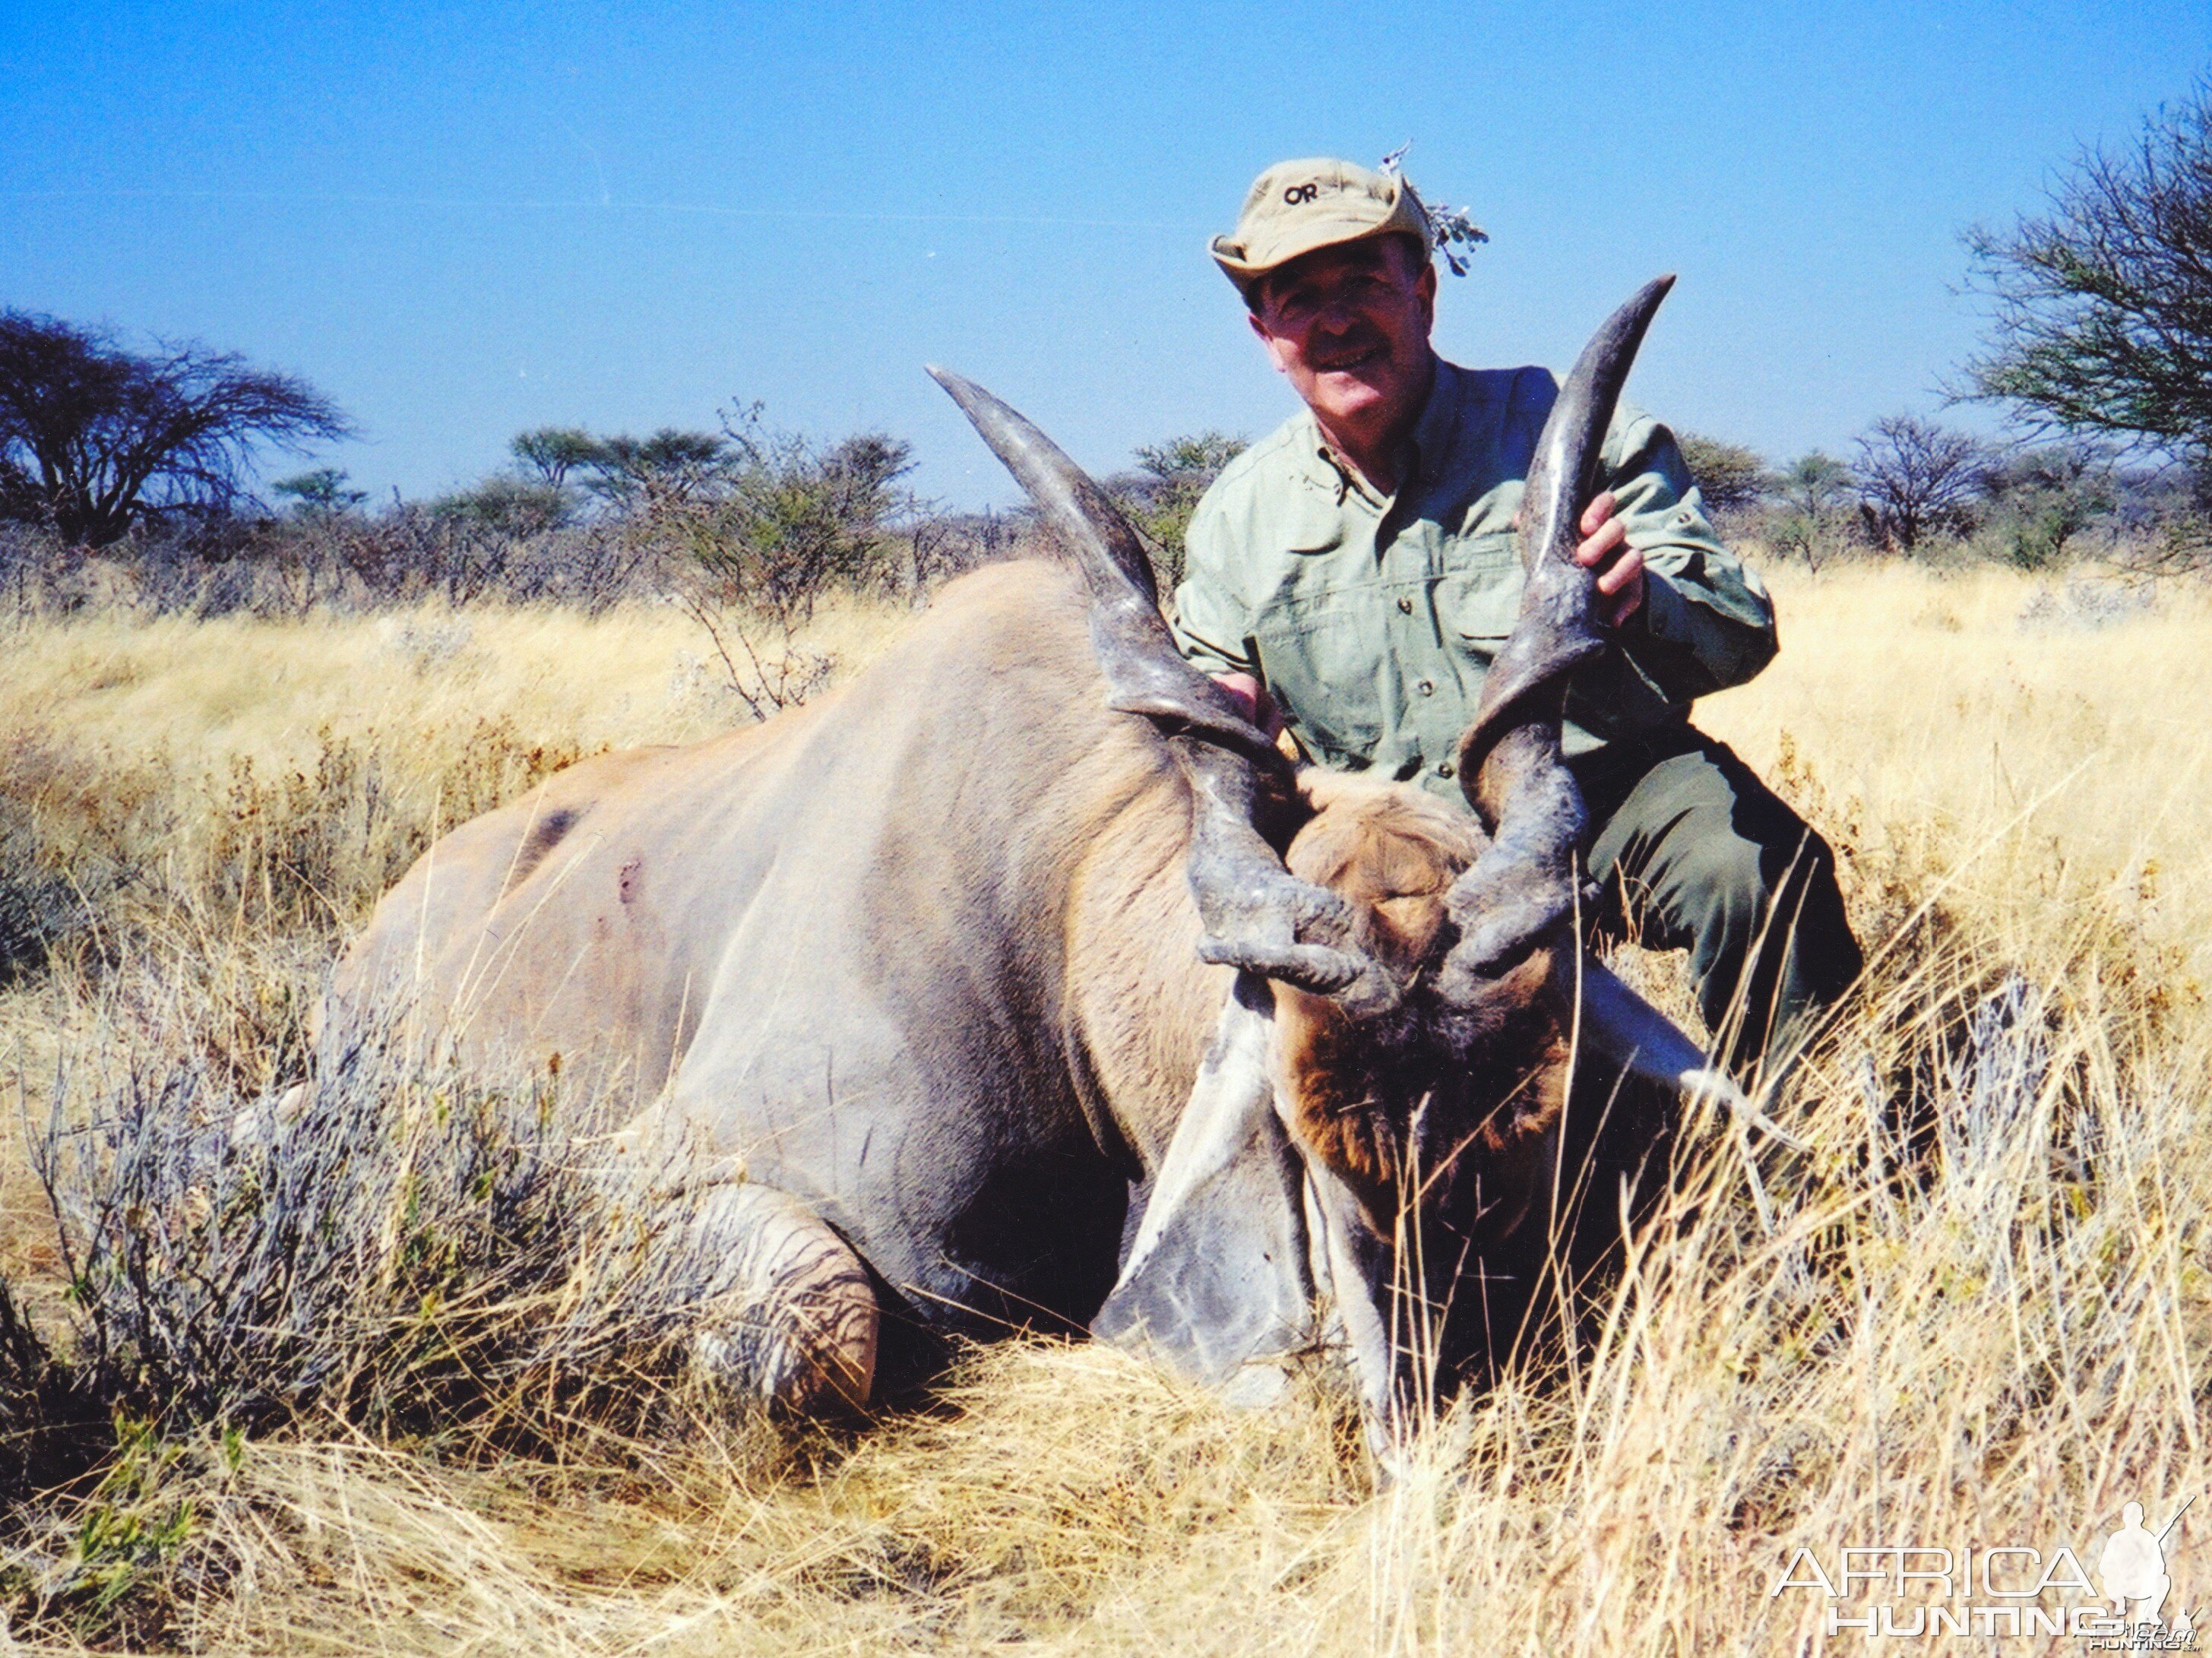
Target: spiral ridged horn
x,y
1257,916
1509,759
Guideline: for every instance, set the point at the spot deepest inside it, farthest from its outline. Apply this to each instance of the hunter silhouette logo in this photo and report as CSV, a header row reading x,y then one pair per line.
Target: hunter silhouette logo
x,y
2131,1571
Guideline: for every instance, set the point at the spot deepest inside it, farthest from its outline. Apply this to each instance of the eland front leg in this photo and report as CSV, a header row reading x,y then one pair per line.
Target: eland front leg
x,y
786,1314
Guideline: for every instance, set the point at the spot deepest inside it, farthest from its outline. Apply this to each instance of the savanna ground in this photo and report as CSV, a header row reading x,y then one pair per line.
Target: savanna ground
x,y
1979,1313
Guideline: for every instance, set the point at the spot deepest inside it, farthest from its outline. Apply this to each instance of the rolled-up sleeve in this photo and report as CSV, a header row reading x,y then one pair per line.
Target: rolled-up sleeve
x,y
1707,622
1211,622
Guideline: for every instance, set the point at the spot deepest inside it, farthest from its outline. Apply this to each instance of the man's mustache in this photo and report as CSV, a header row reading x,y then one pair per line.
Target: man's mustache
x,y
1344,353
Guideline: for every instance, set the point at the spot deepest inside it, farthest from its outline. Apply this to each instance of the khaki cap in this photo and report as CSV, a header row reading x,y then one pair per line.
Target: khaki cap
x,y
1295,207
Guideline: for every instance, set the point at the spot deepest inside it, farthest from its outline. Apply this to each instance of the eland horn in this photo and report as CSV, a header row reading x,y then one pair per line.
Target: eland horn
x,y
1510,760
1257,916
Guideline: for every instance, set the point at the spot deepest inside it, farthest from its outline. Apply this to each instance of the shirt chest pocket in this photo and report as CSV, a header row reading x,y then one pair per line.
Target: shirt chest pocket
x,y
1477,609
1324,663
1307,525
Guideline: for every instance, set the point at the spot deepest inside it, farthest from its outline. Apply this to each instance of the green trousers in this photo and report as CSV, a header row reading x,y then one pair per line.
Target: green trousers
x,y
1694,852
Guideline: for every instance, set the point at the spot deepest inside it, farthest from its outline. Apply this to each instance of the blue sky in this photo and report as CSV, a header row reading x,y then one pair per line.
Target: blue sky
x,y
463,221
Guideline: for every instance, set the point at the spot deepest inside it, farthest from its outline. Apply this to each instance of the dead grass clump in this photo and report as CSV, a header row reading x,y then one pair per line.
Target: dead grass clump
x,y
310,850
278,777
394,1252
100,853
1022,1509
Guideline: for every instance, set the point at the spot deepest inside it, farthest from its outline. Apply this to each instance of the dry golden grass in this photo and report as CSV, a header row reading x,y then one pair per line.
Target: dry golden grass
x,y
2041,767
1998,1346
207,691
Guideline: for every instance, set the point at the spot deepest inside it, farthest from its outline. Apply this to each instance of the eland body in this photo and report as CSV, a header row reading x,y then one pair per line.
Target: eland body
x,y
1019,980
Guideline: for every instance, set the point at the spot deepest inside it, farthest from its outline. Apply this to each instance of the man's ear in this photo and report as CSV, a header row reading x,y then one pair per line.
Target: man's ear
x,y
1279,349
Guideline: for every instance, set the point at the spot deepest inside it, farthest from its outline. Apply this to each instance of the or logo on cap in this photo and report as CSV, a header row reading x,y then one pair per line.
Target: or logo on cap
x,y
1299,195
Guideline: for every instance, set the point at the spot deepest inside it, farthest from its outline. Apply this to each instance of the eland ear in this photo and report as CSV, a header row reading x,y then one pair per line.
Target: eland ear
x,y
1217,1287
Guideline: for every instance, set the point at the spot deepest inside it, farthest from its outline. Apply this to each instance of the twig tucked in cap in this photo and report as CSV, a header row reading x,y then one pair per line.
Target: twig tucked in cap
x,y
1451,229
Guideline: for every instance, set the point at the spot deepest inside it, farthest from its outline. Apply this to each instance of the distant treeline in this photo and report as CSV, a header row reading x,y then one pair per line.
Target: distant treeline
x,y
743,515
772,520
1913,488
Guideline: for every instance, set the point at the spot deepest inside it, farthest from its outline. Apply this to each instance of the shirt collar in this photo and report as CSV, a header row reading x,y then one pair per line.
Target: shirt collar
x,y
1429,445
1434,432
1333,472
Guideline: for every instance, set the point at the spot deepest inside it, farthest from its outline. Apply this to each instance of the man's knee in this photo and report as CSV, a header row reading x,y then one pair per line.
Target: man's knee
x,y
1731,846
1737,895
1710,860
1704,887
1721,883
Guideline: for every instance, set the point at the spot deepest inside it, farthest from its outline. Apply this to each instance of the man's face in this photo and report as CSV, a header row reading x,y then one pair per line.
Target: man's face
x,y
1349,327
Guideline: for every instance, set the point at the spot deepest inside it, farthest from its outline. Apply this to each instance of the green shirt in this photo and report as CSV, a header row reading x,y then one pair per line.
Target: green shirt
x,y
1371,621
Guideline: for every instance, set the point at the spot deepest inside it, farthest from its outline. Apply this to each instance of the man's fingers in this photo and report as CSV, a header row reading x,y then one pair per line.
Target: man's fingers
x,y
1623,573
1605,548
1245,689
1601,543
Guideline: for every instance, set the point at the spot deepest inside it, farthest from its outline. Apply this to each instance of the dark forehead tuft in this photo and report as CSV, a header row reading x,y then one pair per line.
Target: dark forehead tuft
x,y
1378,840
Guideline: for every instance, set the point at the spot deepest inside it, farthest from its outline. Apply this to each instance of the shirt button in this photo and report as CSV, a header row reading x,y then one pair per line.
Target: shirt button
x,y
1404,605
1445,769
1427,687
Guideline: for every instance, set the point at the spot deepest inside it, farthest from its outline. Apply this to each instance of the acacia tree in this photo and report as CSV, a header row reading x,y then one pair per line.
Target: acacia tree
x,y
1916,479
94,438
2045,498
1812,498
1164,492
553,451
321,494
2102,305
668,470
763,522
1729,477
793,518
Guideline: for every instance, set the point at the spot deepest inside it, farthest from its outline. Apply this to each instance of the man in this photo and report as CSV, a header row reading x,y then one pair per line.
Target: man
x,y
1354,574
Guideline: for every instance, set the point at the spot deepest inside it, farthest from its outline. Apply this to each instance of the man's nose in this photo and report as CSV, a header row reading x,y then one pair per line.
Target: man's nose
x,y
1335,318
